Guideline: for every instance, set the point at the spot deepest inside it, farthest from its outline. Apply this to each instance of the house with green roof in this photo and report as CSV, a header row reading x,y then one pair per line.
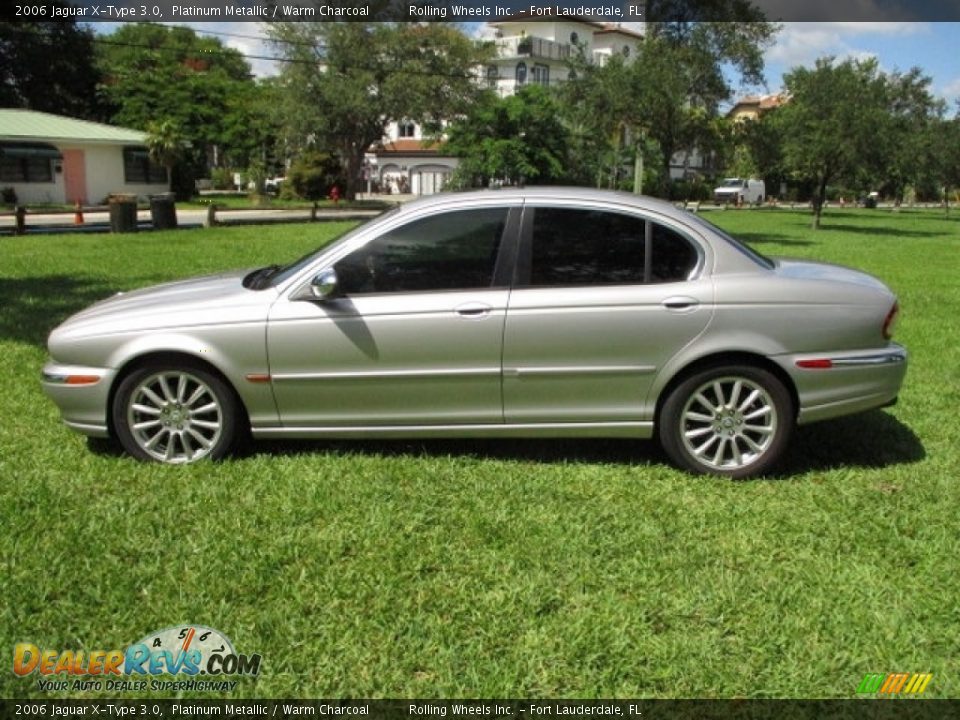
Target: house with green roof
x,y
48,158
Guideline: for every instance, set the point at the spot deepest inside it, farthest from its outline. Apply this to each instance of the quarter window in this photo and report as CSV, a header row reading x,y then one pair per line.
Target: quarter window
x,y
595,247
451,251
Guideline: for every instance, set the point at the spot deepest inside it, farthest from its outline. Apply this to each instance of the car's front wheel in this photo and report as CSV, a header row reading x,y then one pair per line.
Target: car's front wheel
x,y
733,420
175,415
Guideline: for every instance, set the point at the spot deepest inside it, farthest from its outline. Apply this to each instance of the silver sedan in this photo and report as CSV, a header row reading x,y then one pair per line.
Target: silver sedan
x,y
521,313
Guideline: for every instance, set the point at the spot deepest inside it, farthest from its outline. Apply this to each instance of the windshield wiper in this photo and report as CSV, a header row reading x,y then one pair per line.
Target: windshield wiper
x,y
257,280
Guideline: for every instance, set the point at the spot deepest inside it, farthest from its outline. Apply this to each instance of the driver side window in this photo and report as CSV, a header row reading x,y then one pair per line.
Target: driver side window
x,y
450,251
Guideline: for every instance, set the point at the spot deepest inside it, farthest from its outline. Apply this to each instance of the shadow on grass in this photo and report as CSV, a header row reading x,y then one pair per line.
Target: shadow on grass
x,y
548,451
874,439
31,307
871,440
760,238
880,230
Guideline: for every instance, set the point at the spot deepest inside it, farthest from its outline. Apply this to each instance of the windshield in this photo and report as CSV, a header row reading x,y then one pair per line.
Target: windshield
x,y
738,244
732,182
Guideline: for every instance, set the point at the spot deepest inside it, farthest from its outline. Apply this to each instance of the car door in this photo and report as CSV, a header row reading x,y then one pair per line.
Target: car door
x,y
413,335
603,298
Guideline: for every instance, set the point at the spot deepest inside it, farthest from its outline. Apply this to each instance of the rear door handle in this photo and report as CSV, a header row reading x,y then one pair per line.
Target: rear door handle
x,y
680,302
473,310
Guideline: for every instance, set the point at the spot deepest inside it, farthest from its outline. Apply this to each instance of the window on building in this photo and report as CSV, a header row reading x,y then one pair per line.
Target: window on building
x,y
26,170
139,168
574,38
493,75
521,73
20,162
541,74
406,129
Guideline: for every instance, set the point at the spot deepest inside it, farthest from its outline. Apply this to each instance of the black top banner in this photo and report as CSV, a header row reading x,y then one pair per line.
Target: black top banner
x,y
485,709
614,11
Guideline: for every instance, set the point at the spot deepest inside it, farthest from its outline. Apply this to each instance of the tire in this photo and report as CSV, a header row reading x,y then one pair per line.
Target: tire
x,y
176,414
729,420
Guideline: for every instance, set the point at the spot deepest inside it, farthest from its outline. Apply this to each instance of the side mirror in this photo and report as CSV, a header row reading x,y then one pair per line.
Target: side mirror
x,y
323,286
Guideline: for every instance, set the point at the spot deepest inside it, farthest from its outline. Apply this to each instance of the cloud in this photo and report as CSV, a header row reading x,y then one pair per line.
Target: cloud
x,y
803,43
950,92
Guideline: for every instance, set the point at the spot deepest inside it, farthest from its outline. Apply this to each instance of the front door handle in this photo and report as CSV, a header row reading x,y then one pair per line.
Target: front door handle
x,y
473,310
680,302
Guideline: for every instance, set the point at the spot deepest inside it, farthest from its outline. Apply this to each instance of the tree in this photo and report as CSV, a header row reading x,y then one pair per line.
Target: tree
x,y
598,113
155,73
912,146
758,149
49,66
669,93
344,81
944,144
847,121
512,140
168,147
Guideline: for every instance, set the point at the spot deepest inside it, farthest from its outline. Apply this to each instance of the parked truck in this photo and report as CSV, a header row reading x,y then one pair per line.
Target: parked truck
x,y
740,191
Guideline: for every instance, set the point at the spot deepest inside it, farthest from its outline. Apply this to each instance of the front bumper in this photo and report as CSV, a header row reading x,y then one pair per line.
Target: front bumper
x,y
81,393
849,383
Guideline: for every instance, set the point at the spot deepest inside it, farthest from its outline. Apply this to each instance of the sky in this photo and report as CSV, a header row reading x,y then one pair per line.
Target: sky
x,y
933,46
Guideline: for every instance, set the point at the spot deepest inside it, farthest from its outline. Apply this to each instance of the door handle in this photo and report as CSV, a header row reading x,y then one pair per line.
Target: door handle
x,y
473,310
680,302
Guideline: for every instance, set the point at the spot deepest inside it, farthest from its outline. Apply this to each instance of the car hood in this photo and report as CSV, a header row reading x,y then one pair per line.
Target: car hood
x,y
197,301
809,270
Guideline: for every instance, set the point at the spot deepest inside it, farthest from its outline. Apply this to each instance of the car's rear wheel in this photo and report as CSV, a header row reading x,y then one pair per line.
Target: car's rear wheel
x,y
175,415
733,420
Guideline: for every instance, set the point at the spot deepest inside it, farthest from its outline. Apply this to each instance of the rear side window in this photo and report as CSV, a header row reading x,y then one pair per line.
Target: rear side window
x,y
597,247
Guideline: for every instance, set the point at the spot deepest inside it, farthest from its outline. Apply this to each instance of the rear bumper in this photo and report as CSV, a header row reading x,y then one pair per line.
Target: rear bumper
x,y
852,382
81,393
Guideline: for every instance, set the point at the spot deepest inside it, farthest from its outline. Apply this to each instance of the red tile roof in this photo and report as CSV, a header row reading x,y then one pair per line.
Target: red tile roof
x,y
407,146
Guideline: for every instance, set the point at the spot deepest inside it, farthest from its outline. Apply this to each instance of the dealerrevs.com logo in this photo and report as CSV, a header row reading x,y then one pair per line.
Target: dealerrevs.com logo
x,y
203,657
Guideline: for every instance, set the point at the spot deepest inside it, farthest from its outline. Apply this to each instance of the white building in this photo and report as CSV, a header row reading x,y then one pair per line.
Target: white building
x,y
48,158
537,52
527,52
407,162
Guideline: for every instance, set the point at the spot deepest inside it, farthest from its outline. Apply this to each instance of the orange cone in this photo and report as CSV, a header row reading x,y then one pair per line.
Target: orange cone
x,y
77,214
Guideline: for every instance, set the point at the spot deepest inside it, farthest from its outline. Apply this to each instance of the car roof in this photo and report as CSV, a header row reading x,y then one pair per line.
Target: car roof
x,y
514,194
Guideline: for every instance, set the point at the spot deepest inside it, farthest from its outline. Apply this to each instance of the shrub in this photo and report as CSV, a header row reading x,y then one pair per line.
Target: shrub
x,y
221,179
8,195
311,176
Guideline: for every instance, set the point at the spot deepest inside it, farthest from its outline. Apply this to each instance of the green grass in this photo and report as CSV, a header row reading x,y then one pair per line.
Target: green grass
x,y
495,568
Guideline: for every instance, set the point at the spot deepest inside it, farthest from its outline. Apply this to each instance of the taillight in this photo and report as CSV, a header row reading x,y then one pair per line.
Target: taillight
x,y
890,321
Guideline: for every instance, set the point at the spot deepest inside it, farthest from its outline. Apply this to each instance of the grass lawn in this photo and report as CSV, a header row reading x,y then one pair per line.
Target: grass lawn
x,y
496,568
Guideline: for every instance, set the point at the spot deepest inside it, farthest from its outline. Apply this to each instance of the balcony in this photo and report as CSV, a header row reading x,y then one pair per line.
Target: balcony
x,y
533,47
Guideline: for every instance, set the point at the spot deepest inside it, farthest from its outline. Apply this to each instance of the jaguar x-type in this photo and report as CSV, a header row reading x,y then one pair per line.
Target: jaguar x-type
x,y
523,313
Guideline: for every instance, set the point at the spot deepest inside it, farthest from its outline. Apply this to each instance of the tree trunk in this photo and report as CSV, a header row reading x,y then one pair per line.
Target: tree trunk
x,y
353,163
818,201
638,167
